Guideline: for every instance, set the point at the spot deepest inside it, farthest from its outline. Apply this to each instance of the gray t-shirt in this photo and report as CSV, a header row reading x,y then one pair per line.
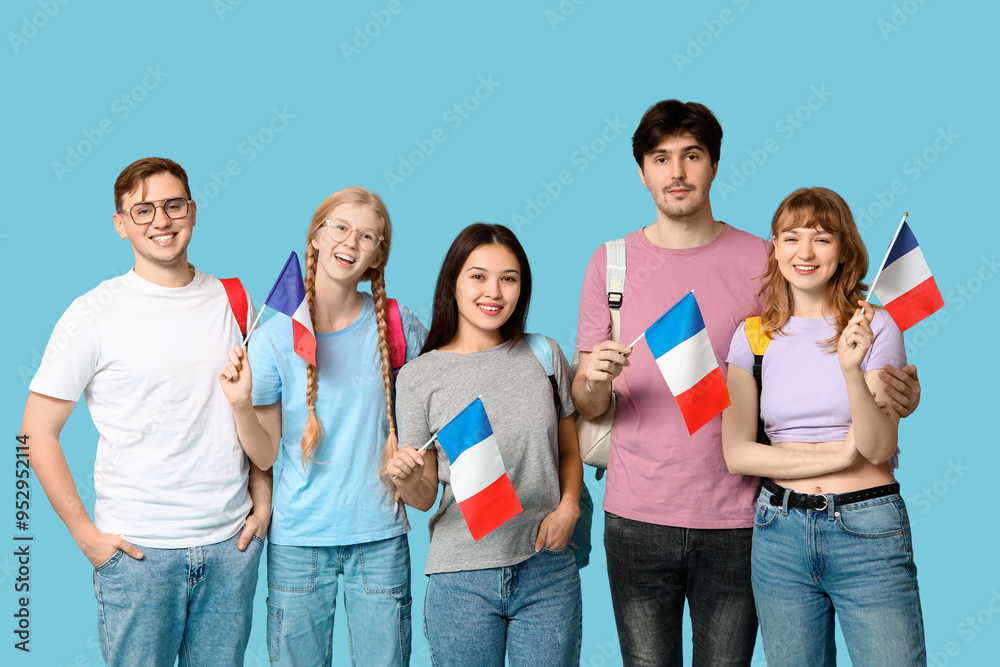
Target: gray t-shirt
x,y
517,395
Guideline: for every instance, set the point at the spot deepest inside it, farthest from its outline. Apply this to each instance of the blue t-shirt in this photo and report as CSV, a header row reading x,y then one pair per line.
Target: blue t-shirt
x,y
341,500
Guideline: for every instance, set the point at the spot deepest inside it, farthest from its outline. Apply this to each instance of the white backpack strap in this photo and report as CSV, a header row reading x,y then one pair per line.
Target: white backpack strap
x,y
615,283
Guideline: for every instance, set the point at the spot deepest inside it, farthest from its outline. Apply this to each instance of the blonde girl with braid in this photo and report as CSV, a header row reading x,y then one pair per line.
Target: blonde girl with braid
x,y
334,518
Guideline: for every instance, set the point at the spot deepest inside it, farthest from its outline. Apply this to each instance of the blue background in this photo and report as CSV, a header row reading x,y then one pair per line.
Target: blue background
x,y
891,104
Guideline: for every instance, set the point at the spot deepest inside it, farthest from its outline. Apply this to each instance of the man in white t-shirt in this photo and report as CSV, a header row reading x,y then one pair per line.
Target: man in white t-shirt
x,y
180,513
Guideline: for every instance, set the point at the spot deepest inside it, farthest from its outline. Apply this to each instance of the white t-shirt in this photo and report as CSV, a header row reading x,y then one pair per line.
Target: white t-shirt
x,y
169,472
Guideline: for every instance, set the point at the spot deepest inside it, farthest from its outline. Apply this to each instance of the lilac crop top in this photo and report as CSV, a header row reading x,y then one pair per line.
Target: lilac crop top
x,y
804,396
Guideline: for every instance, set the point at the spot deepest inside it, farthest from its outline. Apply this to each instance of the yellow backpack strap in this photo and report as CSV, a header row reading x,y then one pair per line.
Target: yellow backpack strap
x,y
758,345
758,341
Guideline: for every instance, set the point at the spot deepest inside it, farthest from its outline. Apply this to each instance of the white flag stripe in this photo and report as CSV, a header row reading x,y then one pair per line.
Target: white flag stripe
x,y
301,315
687,364
476,468
902,275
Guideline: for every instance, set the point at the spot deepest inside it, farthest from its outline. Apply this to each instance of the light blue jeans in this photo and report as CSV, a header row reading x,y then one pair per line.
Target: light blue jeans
x,y
194,605
855,560
302,600
531,611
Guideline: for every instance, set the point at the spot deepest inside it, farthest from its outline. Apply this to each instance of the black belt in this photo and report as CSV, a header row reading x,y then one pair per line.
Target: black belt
x,y
815,501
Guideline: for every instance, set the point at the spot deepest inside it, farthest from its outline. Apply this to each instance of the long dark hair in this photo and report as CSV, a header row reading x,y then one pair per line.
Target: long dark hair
x,y
444,319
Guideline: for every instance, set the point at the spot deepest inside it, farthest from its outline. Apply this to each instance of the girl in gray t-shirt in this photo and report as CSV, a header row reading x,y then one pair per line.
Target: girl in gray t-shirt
x,y
516,590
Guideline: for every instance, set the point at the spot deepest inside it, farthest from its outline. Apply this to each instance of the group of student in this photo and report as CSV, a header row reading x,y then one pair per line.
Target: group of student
x,y
182,471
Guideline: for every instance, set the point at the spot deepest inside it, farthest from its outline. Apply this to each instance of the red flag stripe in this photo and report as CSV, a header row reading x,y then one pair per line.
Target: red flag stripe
x,y
490,508
702,402
916,304
305,343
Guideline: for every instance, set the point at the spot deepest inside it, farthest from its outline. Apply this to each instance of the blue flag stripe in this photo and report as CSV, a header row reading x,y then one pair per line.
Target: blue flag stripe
x,y
905,242
288,291
678,324
470,427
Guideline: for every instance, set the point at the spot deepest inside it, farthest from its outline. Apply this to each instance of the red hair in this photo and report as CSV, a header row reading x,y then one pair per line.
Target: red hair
x,y
816,208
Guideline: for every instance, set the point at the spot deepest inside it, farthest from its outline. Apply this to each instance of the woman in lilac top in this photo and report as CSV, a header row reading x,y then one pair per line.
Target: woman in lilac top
x,y
831,534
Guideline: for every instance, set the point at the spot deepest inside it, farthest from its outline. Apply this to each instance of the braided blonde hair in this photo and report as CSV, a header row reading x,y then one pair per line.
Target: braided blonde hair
x,y
313,431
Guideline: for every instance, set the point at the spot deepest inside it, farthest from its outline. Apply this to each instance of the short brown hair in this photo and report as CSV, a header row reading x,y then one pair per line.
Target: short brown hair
x,y
140,170
673,118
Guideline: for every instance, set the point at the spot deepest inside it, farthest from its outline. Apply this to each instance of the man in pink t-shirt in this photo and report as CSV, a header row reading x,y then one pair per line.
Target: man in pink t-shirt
x,y
678,525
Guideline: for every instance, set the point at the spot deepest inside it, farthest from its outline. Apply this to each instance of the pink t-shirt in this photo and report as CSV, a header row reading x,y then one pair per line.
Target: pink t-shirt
x,y
657,472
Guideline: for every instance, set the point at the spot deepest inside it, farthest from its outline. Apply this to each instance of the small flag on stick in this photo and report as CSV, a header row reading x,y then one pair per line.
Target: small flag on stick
x,y
479,479
679,342
288,296
904,283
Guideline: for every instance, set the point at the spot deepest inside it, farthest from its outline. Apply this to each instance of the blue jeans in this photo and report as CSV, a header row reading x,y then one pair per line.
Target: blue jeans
x,y
193,604
302,601
531,611
653,568
854,560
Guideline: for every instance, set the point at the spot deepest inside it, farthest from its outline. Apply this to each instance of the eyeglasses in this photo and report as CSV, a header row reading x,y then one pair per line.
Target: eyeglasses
x,y
339,231
144,212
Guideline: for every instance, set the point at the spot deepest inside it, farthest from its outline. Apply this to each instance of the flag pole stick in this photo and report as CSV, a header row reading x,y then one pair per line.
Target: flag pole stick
x,y
246,340
428,443
644,330
871,290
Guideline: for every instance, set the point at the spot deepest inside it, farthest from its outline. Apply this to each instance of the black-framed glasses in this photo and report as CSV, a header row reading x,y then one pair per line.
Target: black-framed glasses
x,y
174,208
339,231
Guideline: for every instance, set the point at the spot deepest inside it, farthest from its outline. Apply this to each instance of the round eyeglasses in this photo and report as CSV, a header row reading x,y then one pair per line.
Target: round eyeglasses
x,y
144,212
339,231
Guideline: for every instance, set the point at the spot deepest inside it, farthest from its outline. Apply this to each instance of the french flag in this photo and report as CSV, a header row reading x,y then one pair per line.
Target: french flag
x,y
478,477
289,297
905,286
683,351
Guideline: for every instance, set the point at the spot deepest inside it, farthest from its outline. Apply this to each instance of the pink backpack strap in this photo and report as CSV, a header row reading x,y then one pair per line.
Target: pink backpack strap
x,y
397,339
237,301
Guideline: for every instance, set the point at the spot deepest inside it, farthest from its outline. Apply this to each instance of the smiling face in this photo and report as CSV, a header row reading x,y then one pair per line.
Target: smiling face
x,y
487,290
160,246
678,174
808,259
347,261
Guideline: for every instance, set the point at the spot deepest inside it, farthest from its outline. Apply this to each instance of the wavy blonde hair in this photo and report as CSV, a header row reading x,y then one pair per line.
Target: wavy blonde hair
x,y
313,431
816,208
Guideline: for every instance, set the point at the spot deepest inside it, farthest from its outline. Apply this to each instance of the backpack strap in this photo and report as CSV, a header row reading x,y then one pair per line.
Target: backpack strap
x,y
397,338
237,301
758,345
615,284
543,352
